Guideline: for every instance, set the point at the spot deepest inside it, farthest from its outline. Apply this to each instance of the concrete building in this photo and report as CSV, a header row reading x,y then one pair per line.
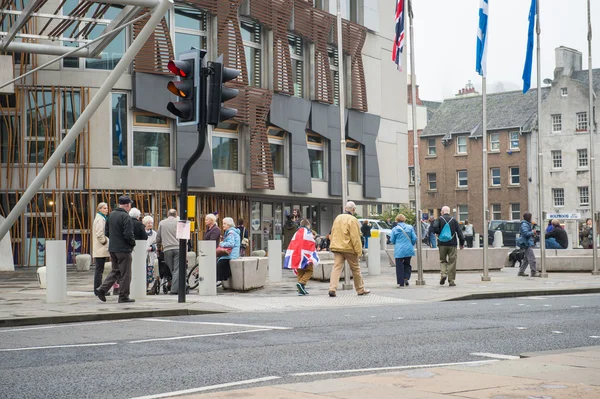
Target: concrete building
x,y
281,152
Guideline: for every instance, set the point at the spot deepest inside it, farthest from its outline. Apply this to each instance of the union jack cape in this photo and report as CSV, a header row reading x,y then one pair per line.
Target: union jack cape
x,y
301,251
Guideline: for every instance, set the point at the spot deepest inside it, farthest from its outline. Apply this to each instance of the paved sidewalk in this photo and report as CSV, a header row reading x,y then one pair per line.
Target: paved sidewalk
x,y
22,302
572,374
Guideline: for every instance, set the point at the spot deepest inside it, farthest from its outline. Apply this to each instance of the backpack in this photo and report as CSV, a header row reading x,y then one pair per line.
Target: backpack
x,y
446,233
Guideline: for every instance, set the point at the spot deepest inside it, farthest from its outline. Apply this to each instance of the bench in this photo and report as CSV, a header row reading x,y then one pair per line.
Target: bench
x,y
247,273
322,272
566,260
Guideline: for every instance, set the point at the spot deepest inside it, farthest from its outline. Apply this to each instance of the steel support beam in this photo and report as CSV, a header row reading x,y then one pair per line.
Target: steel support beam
x,y
126,14
137,3
19,23
46,49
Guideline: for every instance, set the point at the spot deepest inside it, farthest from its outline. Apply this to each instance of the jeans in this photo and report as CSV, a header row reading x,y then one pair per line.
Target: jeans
x,y
469,240
528,260
433,241
551,243
403,270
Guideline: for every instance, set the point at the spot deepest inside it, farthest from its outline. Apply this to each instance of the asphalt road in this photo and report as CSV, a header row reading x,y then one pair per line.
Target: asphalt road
x,y
145,357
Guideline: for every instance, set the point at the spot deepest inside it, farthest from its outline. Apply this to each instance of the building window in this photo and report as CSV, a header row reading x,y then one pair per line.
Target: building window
x,y
515,211
431,150
334,68
40,137
514,141
252,38
556,123
564,92
558,195
149,119
70,111
321,4
411,175
461,145
152,148
277,146
495,176
462,179
191,28
496,212
582,121
352,161
431,181
582,158
297,53
316,155
463,212
584,196
413,205
557,159
495,142
10,130
225,146
515,178
119,128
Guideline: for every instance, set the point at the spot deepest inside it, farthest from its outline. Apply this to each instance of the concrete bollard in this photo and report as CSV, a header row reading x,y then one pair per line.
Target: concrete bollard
x,y
476,240
41,274
83,262
275,261
498,240
138,270
56,271
382,240
6,255
207,268
191,260
374,256
570,242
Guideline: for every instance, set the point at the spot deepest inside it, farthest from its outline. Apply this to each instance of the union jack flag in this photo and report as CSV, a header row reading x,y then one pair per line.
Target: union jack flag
x,y
399,38
301,251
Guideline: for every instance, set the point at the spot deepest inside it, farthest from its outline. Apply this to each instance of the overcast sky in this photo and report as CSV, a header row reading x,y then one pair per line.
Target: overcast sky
x,y
446,32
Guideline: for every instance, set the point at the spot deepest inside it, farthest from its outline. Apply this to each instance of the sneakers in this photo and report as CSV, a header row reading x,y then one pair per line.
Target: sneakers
x,y
332,294
365,292
405,282
452,284
301,289
521,274
443,280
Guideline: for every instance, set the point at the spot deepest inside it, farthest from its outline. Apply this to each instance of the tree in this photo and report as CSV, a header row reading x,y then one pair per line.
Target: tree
x,y
392,213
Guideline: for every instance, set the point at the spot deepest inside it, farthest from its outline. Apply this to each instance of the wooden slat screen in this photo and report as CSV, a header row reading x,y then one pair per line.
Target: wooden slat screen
x,y
155,54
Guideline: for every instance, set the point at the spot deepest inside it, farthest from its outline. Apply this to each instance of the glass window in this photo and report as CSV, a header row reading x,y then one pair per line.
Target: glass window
x,y
495,176
225,147
75,211
334,71
353,161
190,28
556,123
515,211
431,181
558,195
149,119
431,150
584,196
41,132
515,177
413,205
316,155
119,128
461,145
10,130
71,109
411,174
514,140
582,121
152,149
112,54
462,179
252,38
496,212
297,53
557,159
494,141
277,146
463,212
582,158
564,92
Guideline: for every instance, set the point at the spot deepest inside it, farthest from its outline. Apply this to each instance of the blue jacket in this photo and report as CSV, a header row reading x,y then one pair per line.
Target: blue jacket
x,y
526,235
403,247
231,240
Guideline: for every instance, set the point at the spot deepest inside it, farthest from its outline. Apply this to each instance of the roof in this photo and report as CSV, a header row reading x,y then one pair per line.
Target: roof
x,y
431,106
508,110
583,77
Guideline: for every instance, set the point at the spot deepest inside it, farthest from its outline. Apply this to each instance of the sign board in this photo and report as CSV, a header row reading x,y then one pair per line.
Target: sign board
x,y
183,230
563,216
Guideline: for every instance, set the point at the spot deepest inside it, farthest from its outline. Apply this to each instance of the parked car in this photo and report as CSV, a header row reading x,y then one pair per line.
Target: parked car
x,y
509,229
380,225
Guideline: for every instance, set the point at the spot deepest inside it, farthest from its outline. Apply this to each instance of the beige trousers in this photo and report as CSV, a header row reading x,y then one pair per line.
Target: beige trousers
x,y
338,265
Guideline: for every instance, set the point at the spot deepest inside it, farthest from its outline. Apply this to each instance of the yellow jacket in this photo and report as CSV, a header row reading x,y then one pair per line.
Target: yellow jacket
x,y
345,235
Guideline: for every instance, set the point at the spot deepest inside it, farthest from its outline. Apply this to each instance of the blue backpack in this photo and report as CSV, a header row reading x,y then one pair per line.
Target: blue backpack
x,y
446,233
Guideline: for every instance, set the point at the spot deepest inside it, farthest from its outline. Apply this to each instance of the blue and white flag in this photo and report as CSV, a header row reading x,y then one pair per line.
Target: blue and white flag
x,y
529,55
119,132
481,62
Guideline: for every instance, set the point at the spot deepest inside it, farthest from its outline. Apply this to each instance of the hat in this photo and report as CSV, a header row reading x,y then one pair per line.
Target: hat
x,y
124,200
216,213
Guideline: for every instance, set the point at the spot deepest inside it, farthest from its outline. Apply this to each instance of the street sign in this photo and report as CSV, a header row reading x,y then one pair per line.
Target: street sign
x,y
563,216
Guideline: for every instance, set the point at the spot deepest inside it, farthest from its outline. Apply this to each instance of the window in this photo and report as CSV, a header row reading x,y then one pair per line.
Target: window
x,y
515,211
463,212
412,204
316,155
252,38
321,4
225,146
584,196
495,176
352,161
494,141
558,195
431,150
191,28
496,212
277,146
515,178
334,68
582,121
297,53
119,128
10,130
557,159
431,181
582,158
461,145
564,92
556,123
462,179
150,119
70,111
152,148
40,136
514,141
411,175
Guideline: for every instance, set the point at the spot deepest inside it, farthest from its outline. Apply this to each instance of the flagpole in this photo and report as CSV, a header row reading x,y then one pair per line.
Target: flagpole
x,y
413,84
592,191
539,147
486,275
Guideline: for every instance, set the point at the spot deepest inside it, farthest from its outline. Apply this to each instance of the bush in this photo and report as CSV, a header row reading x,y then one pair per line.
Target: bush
x,y
392,213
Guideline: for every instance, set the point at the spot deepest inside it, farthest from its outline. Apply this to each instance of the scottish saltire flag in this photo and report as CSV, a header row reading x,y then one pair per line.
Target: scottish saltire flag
x,y
481,63
301,251
529,55
119,133
399,37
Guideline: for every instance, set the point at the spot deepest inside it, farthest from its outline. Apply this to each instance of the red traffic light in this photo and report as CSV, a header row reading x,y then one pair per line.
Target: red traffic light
x,y
181,68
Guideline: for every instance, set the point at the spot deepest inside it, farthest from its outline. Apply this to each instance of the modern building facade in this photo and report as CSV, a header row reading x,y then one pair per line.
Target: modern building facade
x,y
282,151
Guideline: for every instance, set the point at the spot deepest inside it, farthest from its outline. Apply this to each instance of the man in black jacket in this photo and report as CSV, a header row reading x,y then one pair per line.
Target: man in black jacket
x,y
557,238
119,228
448,248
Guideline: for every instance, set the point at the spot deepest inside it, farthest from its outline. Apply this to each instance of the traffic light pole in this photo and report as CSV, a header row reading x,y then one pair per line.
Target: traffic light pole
x,y
185,171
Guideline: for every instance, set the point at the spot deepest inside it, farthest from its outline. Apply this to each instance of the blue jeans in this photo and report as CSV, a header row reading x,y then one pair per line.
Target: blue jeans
x,y
433,241
551,243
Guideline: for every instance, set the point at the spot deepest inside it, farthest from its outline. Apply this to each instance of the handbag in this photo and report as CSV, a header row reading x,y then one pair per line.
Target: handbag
x,y
223,251
245,240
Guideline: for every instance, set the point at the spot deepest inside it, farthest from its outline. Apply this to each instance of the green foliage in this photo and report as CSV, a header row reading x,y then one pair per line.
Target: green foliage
x,y
392,213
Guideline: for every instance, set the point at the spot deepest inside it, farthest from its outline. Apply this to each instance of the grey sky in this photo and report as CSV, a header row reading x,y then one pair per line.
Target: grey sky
x,y
446,32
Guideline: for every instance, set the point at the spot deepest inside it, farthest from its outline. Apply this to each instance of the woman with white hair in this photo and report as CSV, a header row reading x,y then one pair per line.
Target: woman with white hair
x,y
151,257
231,239
139,231
100,243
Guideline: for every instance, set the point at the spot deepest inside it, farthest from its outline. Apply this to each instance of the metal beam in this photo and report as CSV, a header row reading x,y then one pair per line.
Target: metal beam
x,y
126,14
20,22
138,3
47,49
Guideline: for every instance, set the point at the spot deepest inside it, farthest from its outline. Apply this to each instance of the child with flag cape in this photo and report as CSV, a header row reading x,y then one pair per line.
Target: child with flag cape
x,y
301,255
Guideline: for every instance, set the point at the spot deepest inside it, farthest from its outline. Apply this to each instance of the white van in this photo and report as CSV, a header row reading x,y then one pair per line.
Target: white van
x,y
380,225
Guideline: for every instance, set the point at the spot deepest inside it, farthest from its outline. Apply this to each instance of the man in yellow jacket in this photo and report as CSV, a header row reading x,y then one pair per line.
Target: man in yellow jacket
x,y
346,246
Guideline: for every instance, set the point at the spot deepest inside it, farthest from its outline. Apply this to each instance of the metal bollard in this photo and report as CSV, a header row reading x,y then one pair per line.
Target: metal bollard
x,y
56,271
374,256
137,289
207,268
275,261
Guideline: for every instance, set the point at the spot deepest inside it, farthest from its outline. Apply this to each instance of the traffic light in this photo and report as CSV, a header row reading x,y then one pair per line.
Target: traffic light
x,y
218,93
186,87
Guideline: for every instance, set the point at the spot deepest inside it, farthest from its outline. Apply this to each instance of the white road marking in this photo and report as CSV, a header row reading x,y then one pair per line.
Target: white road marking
x,y
473,303
63,325
495,356
197,336
418,366
521,304
547,305
521,328
207,323
497,304
208,388
557,332
575,306
56,346
594,336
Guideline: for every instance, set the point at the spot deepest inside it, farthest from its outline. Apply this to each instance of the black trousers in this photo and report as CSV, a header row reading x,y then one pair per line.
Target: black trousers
x,y
469,240
98,271
403,270
121,273
223,270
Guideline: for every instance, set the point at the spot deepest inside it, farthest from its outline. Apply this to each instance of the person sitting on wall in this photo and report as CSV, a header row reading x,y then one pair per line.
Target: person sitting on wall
x,y
557,238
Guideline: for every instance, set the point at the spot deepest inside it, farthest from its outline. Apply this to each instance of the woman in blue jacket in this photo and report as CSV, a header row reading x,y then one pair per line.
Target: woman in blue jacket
x,y
404,239
231,239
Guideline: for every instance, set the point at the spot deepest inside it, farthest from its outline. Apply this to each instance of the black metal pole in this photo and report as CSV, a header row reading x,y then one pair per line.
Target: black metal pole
x,y
183,188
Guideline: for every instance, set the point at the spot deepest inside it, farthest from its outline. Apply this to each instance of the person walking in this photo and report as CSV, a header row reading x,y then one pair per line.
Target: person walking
x,y
245,241
525,241
469,233
152,275
166,238
231,239
365,230
448,229
289,229
586,235
100,244
139,230
346,246
119,230
212,233
301,255
557,238
431,233
404,239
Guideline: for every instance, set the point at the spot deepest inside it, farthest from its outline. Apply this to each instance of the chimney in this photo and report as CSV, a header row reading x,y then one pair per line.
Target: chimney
x,y
568,60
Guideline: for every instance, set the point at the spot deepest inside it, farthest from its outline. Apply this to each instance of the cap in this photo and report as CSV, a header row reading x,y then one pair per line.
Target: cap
x,y
124,200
